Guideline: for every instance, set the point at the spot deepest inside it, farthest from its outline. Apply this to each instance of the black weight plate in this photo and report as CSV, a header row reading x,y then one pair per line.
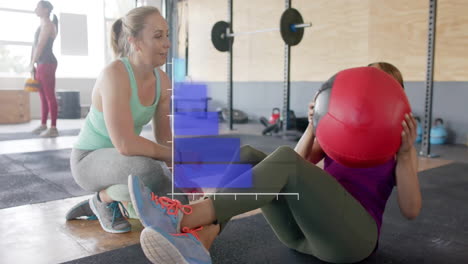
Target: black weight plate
x,y
238,116
218,32
290,17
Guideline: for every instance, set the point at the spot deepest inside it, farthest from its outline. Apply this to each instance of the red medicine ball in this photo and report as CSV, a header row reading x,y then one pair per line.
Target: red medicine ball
x,y
358,115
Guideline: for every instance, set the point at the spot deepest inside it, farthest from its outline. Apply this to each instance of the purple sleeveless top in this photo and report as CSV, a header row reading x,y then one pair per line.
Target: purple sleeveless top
x,y
47,55
370,186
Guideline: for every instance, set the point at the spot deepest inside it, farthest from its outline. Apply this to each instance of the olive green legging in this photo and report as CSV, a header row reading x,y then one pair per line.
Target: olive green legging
x,y
326,221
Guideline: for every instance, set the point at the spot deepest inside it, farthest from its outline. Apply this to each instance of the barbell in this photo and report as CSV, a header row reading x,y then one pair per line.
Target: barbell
x,y
291,27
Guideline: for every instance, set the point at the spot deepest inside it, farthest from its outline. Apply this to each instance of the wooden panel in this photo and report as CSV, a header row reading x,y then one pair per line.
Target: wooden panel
x,y
14,106
398,33
258,57
205,62
330,45
337,40
345,33
451,59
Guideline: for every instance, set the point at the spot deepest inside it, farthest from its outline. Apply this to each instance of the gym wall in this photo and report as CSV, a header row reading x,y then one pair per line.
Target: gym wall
x,y
398,33
345,33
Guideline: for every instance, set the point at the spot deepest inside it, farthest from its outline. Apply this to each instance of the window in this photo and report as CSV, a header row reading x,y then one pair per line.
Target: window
x,y
113,10
18,26
117,8
14,59
16,41
27,5
19,23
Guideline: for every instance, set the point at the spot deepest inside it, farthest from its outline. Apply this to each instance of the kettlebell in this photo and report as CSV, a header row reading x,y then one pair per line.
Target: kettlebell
x,y
438,132
31,85
275,115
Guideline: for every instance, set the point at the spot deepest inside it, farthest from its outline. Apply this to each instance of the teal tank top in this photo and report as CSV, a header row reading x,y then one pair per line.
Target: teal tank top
x,y
94,134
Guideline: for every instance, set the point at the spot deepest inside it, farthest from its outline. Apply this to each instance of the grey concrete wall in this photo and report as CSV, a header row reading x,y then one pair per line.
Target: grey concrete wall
x,y
449,103
258,98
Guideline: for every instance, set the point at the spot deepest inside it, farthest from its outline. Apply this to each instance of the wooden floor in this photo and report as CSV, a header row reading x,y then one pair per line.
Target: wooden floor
x,y
38,233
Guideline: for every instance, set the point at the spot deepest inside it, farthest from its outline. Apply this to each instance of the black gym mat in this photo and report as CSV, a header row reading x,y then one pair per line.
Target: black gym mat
x,y
438,235
29,135
36,177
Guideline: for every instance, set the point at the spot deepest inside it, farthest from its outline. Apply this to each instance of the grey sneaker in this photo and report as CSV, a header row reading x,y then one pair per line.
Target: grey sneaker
x,y
51,132
39,129
156,211
82,210
162,247
109,215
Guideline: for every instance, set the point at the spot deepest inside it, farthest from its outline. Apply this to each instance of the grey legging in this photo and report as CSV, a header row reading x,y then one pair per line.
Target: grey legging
x,y
326,221
100,169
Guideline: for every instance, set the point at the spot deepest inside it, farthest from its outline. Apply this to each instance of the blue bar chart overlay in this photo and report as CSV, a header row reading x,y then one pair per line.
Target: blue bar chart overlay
x,y
202,158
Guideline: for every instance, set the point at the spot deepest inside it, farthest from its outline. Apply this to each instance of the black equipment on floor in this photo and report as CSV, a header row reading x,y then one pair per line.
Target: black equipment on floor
x,y
68,104
296,126
239,117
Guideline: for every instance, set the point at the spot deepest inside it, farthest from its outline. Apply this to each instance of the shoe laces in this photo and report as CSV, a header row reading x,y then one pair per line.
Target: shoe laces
x,y
193,231
116,213
172,206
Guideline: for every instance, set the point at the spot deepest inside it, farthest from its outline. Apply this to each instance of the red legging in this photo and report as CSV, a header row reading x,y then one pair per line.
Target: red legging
x,y
45,74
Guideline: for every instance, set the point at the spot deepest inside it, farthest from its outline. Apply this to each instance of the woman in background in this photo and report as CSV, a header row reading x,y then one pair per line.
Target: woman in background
x,y
43,66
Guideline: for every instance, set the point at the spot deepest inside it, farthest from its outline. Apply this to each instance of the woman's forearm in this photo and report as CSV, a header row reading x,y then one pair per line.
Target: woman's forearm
x,y
140,146
304,146
163,137
409,195
308,147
